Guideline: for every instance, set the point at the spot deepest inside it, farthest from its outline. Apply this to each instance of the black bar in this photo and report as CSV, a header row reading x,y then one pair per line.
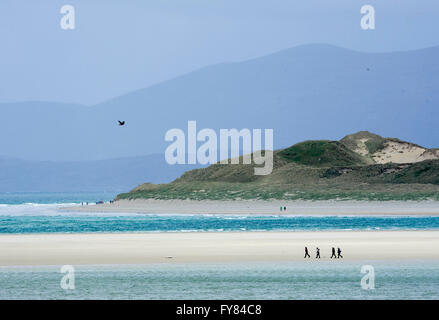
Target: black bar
x,y
228,309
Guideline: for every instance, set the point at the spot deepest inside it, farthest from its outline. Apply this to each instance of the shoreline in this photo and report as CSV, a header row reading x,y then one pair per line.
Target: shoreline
x,y
223,247
260,207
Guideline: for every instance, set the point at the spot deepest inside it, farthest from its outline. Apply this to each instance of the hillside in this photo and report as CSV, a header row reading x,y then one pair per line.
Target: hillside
x,y
319,169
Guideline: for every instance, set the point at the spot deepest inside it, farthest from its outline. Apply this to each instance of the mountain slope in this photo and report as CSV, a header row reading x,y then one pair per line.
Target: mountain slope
x,y
307,92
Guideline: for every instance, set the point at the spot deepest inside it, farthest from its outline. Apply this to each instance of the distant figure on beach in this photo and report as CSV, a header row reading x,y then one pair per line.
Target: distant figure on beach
x,y
281,208
306,253
317,253
339,253
285,208
333,255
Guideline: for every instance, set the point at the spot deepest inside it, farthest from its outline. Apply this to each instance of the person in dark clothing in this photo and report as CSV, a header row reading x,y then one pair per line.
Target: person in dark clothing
x,y
306,253
285,208
333,255
339,253
317,253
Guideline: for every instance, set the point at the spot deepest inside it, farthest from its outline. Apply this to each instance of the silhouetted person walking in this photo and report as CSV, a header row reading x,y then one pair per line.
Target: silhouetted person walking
x,y
333,255
306,253
317,253
339,253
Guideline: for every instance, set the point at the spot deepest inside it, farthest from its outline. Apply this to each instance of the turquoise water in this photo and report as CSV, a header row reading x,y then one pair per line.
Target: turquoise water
x,y
39,213
80,223
287,280
47,218
53,197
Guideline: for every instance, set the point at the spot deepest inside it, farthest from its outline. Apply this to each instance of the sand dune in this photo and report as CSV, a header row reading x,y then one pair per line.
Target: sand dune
x,y
404,152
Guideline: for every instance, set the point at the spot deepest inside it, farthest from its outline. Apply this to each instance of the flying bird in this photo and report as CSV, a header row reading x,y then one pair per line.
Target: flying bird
x,y
121,123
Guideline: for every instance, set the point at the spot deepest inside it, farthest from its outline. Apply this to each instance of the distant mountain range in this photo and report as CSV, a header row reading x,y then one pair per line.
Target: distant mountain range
x,y
361,166
307,92
113,175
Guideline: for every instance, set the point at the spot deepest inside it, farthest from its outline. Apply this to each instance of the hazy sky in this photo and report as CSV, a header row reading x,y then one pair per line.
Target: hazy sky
x,y
119,46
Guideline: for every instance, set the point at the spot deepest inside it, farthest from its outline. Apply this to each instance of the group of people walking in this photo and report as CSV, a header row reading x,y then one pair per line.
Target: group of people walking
x,y
333,255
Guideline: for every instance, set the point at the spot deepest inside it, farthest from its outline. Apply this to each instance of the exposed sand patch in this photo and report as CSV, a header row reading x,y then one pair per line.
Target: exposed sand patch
x,y
403,152
361,147
264,207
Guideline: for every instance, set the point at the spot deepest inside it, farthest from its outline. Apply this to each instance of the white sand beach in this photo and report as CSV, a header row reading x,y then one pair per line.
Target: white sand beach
x,y
144,248
265,207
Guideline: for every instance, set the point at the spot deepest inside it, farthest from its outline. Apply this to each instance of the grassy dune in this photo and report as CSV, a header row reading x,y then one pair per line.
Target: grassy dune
x,y
312,170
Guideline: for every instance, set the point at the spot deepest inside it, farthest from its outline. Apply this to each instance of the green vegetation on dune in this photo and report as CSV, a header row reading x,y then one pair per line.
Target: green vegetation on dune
x,y
373,142
236,191
311,170
421,172
322,153
293,182
374,145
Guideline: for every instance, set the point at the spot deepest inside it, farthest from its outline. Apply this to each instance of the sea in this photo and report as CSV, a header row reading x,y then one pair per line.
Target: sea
x,y
29,213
